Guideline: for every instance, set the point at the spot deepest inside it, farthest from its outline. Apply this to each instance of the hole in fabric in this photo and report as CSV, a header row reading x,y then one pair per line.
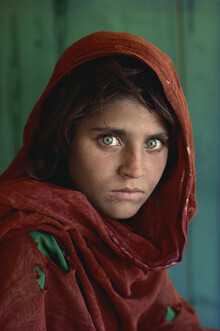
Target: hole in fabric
x,y
170,314
40,277
48,246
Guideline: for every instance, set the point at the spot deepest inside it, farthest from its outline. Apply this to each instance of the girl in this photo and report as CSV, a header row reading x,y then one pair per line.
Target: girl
x,y
96,205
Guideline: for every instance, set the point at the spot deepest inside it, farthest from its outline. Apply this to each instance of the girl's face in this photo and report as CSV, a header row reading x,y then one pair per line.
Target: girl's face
x,y
118,157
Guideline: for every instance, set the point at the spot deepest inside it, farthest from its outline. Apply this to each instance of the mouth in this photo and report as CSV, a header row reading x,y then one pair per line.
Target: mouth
x,y
127,194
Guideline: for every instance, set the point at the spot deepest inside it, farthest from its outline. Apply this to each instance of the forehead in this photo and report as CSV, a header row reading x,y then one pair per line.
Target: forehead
x,y
126,114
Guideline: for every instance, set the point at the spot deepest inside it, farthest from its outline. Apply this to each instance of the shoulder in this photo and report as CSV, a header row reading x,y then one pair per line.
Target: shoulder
x,y
22,297
19,257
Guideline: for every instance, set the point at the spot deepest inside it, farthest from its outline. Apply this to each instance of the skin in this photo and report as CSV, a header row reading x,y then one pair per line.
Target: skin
x,y
118,157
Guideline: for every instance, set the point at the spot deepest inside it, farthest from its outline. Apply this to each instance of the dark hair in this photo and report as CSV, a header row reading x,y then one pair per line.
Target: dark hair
x,y
88,87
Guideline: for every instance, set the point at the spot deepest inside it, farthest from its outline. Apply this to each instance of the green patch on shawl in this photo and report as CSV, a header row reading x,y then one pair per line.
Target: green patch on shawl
x,y
48,245
40,277
170,314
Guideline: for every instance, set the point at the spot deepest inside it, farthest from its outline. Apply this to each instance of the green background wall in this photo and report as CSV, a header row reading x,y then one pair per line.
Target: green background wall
x,y
33,35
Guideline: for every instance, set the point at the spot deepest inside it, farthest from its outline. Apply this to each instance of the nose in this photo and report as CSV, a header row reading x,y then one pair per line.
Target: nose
x,y
132,164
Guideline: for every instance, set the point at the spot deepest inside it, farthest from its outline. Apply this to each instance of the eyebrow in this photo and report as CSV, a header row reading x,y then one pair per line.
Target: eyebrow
x,y
122,133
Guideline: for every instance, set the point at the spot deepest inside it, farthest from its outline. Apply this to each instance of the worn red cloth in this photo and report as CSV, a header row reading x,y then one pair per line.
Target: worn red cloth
x,y
117,278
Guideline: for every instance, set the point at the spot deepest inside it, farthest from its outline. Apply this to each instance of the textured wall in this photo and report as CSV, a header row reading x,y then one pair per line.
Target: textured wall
x,y
34,34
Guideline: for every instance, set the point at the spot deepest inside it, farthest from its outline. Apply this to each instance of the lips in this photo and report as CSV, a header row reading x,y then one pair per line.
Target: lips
x,y
127,194
127,189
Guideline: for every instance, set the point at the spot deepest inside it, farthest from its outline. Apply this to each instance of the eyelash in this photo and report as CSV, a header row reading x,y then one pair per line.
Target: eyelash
x,y
155,138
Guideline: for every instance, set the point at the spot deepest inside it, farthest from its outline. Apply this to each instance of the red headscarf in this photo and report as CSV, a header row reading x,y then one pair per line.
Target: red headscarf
x,y
117,279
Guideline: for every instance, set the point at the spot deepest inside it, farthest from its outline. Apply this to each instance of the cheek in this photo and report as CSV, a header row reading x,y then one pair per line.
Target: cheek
x,y
158,165
100,169
88,167
162,162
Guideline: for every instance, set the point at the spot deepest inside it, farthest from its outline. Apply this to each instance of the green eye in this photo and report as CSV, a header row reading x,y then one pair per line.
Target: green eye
x,y
152,143
108,140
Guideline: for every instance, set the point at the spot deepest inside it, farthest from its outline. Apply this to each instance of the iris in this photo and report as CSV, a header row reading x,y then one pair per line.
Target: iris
x,y
152,143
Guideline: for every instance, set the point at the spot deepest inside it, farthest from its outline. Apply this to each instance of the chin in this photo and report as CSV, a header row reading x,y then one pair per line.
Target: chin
x,y
118,210
122,214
